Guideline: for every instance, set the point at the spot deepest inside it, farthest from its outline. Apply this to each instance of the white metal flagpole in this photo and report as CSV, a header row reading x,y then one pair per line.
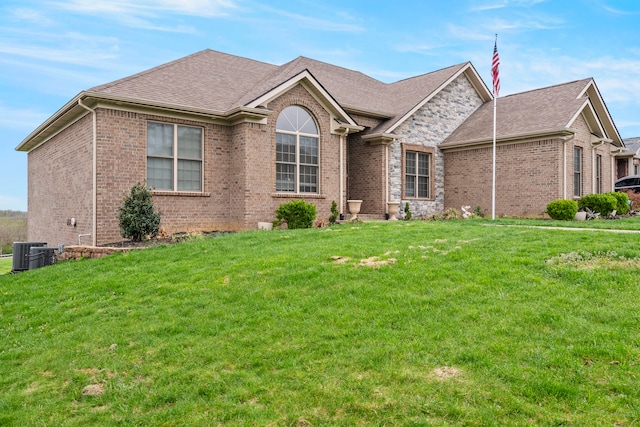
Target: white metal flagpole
x,y
495,62
493,181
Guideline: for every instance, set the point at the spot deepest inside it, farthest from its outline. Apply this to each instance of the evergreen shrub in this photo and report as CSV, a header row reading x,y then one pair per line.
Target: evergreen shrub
x,y
297,214
563,210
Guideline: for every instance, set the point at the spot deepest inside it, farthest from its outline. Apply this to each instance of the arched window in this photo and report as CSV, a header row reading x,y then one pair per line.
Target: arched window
x,y
296,151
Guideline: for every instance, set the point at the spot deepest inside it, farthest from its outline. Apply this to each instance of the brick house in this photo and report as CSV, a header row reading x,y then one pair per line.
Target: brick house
x,y
628,158
224,140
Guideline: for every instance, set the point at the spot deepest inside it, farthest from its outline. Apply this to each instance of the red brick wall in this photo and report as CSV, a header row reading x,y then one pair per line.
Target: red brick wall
x,y
262,194
239,175
366,171
60,186
529,175
122,142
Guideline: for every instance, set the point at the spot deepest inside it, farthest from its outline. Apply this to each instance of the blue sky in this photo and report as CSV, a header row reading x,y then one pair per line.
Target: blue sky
x,y
50,50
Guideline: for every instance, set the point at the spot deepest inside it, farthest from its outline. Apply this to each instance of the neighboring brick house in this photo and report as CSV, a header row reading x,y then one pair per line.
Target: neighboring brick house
x,y
224,140
628,158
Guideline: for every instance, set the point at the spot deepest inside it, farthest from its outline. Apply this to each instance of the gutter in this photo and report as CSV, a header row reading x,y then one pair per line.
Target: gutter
x,y
523,137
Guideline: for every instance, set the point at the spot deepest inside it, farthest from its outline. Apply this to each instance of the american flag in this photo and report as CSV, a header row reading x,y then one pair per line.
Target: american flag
x,y
494,69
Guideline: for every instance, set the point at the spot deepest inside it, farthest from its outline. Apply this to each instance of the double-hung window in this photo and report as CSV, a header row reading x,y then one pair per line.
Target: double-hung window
x,y
174,157
577,172
417,174
297,140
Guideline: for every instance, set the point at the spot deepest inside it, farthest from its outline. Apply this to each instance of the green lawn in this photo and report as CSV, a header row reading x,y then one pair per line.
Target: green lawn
x,y
405,323
6,264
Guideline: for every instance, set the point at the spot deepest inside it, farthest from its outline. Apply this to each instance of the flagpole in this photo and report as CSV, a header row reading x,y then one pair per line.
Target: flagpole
x,y
493,184
495,62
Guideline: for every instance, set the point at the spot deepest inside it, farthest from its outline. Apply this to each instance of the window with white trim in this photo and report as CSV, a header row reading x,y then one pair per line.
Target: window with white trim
x,y
577,171
174,157
297,151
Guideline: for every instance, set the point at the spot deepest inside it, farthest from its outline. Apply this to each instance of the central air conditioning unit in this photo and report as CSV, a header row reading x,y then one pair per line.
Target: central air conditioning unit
x,y
21,252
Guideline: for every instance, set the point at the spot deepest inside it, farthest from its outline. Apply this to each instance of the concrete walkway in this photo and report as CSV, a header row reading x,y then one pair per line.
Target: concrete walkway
x,y
564,228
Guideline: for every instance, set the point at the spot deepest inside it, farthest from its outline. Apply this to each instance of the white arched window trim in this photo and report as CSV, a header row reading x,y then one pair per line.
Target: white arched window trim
x,y
297,152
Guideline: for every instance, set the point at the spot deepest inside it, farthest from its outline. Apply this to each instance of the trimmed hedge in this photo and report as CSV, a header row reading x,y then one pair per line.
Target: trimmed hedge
x,y
564,210
297,214
604,203
622,199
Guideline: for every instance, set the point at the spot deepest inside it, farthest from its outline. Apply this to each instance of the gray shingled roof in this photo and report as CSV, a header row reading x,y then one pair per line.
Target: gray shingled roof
x,y
220,82
207,79
541,110
632,145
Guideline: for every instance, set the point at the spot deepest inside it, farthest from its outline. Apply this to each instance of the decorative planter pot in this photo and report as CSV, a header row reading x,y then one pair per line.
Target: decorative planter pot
x,y
392,208
354,208
581,216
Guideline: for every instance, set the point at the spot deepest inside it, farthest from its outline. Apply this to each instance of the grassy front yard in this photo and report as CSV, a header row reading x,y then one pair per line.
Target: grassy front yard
x,y
406,323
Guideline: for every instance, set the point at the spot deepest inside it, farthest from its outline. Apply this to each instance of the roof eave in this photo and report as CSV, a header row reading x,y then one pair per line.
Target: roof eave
x,y
527,136
380,138
72,111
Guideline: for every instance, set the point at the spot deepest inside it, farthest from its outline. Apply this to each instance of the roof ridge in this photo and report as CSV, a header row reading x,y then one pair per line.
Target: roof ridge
x,y
302,57
549,87
166,65
147,71
460,65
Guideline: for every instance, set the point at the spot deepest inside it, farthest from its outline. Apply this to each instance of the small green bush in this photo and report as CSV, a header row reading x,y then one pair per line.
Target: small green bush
x,y
622,199
407,212
564,210
334,213
601,203
138,218
297,214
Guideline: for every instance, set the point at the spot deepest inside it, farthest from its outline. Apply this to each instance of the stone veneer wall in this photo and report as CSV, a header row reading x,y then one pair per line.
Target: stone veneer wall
x,y
428,127
84,252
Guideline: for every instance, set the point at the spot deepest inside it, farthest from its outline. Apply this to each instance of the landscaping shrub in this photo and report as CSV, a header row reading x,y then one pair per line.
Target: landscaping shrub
x,y
297,214
334,213
564,210
601,203
407,212
622,199
138,218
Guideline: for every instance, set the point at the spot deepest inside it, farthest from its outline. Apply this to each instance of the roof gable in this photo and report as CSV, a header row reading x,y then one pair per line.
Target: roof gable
x,y
542,111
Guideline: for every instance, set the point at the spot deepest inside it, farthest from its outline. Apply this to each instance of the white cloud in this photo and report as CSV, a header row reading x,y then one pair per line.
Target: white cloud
x,y
43,53
31,16
310,22
123,8
21,119
144,14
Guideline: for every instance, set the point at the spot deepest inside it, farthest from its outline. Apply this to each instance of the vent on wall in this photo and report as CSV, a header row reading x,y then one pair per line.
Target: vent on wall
x,y
21,254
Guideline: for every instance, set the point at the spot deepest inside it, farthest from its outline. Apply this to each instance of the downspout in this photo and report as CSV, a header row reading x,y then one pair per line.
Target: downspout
x,y
386,179
566,140
564,170
343,184
95,178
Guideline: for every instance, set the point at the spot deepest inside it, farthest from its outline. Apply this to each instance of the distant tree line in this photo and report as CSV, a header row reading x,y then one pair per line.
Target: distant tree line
x,y
13,228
